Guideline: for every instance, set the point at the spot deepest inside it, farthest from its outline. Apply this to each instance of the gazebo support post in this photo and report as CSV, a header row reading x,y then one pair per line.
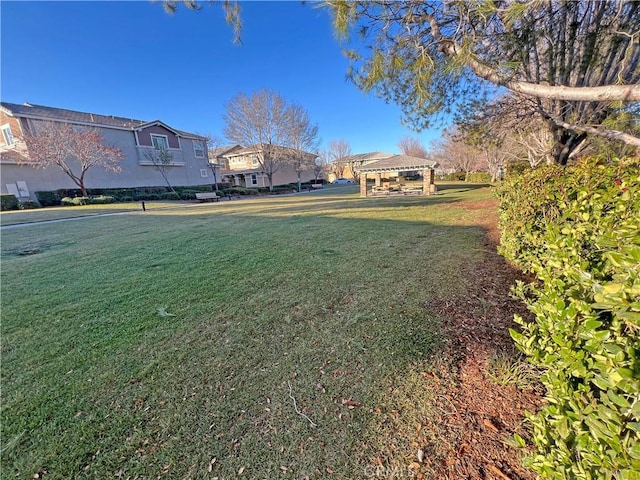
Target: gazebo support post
x,y
363,184
378,179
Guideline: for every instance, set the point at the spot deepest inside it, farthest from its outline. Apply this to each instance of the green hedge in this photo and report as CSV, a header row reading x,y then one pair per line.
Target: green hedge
x,y
8,202
76,201
577,229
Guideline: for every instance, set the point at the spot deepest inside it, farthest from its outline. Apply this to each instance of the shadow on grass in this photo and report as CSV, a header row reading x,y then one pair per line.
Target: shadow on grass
x,y
262,305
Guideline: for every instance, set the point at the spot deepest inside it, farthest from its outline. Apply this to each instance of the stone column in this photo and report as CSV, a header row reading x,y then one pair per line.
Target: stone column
x,y
378,179
432,182
426,181
363,184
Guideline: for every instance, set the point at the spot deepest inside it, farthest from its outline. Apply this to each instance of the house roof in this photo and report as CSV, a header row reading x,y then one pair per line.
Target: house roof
x,y
255,148
219,151
72,116
367,157
398,163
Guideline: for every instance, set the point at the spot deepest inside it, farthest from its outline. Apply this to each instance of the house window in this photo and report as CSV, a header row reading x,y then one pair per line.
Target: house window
x,y
160,142
198,148
203,172
254,160
254,179
7,135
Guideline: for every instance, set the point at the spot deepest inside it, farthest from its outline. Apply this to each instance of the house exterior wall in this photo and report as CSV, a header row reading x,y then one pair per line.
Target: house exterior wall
x,y
137,169
144,136
286,174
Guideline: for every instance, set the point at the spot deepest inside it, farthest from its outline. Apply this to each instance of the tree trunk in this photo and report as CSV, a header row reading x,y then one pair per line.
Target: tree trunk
x,y
565,143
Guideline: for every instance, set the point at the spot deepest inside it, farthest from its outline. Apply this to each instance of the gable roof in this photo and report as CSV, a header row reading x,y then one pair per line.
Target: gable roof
x,y
41,112
256,148
367,157
398,163
222,150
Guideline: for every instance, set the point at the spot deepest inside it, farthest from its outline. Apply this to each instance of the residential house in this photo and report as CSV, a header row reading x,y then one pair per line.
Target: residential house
x,y
135,138
354,162
242,167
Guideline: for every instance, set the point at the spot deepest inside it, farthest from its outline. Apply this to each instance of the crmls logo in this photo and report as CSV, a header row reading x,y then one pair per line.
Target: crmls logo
x,y
389,472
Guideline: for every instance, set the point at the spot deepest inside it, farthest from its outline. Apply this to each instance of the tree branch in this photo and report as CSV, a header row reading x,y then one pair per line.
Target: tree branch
x,y
606,93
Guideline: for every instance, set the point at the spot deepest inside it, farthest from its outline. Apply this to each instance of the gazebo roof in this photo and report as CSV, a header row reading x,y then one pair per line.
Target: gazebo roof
x,y
397,163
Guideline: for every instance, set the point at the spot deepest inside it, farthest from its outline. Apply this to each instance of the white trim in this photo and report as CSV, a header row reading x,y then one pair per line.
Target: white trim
x,y
159,135
204,173
135,134
147,163
195,153
4,127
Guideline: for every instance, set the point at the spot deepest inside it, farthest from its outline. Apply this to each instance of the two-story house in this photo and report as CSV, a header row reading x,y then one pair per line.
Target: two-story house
x,y
135,138
243,167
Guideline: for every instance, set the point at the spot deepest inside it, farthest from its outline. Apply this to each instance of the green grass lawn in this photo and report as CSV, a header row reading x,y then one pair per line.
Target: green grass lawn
x,y
170,343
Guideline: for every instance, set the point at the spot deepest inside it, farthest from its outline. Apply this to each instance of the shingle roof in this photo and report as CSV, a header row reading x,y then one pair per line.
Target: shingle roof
x,y
72,116
398,163
368,157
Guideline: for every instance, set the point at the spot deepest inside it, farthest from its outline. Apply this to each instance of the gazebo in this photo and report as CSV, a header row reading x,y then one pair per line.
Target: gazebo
x,y
394,166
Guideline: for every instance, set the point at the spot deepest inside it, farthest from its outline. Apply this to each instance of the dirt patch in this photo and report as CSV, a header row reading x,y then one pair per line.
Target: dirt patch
x,y
480,416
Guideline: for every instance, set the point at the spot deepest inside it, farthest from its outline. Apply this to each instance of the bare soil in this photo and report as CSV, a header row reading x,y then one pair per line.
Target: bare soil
x,y
480,416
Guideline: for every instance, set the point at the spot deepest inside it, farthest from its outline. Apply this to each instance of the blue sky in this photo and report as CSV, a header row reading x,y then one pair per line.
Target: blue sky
x,y
132,59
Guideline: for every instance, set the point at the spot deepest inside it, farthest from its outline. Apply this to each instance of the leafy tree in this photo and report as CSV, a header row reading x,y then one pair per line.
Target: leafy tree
x,y
577,61
71,148
571,59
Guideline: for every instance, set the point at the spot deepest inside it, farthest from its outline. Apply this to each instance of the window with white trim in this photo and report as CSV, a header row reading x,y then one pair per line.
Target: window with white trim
x,y
254,179
204,173
7,135
198,149
159,142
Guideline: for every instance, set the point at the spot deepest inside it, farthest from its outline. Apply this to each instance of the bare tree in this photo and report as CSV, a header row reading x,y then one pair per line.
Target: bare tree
x,y
71,148
262,120
339,151
303,140
162,160
412,147
320,166
214,143
452,151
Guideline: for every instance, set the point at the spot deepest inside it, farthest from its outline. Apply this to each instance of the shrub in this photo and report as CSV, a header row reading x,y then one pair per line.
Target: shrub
x,y
8,202
240,191
188,194
101,199
577,229
478,177
170,196
75,201
29,205
452,177
48,199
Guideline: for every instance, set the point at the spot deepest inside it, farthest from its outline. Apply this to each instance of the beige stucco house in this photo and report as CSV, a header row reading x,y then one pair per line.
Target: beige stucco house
x,y
189,164
242,167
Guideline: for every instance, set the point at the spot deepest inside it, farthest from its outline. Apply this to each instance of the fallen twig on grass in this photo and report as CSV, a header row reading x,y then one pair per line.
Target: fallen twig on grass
x,y
295,405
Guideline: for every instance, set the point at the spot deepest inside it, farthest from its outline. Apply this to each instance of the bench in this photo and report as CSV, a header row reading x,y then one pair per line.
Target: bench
x,y
206,196
316,186
379,190
412,190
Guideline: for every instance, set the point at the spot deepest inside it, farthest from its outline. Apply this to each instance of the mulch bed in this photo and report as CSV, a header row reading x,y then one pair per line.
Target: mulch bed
x,y
479,416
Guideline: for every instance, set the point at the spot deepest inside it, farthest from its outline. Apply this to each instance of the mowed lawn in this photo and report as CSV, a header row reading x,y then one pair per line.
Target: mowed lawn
x,y
278,337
